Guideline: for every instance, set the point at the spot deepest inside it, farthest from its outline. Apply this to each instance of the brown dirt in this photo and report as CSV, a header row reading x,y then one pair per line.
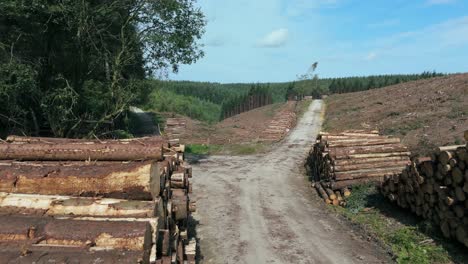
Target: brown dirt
x,y
424,114
242,128
260,208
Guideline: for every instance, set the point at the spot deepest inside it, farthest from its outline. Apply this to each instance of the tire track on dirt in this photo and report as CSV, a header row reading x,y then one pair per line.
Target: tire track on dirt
x,y
259,209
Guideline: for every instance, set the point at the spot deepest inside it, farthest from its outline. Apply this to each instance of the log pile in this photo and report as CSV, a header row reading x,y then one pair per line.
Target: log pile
x,y
175,128
279,127
336,198
90,201
340,160
436,188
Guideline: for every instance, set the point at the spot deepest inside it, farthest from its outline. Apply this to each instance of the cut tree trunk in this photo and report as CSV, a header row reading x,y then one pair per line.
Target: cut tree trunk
x,y
48,205
367,150
21,254
82,152
134,180
77,233
368,173
49,140
371,165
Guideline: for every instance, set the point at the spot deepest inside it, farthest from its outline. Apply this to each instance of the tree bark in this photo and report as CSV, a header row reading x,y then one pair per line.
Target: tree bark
x,y
134,180
19,254
48,205
81,152
367,150
371,165
368,173
77,233
49,140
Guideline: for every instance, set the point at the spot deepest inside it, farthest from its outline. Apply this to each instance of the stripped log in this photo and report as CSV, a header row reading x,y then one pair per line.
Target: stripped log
x,y
134,180
82,152
39,254
371,165
368,173
346,183
49,140
48,205
77,233
322,193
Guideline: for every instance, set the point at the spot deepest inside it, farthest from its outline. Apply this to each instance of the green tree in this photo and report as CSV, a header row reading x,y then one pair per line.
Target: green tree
x,y
83,59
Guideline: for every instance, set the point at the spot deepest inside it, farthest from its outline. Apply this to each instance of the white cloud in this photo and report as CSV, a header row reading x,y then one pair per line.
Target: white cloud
x,y
371,56
439,2
275,39
429,41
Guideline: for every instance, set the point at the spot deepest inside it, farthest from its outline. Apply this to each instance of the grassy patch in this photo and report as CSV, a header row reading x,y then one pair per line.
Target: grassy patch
x,y
457,111
234,149
404,128
410,239
202,149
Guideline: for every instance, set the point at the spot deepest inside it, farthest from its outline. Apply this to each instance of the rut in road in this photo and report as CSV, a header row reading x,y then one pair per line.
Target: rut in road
x,y
260,208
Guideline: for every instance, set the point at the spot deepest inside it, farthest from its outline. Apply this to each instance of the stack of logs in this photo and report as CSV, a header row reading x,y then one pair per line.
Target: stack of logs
x,y
336,198
436,188
279,127
353,157
175,128
93,201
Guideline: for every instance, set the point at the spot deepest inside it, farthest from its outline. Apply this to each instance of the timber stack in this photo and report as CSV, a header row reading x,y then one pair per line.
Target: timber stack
x,y
175,128
436,188
88,201
353,157
279,127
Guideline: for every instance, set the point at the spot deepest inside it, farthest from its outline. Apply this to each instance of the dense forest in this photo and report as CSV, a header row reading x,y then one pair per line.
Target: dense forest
x,y
210,101
72,68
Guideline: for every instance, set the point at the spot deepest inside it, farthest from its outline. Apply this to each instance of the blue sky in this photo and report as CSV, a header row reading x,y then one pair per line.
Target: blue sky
x,y
276,40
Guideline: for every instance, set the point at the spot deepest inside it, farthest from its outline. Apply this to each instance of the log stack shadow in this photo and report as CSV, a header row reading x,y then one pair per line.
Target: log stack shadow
x,y
112,201
436,188
339,161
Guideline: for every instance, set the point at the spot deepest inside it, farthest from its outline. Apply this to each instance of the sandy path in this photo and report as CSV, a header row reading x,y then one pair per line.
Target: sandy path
x,y
260,209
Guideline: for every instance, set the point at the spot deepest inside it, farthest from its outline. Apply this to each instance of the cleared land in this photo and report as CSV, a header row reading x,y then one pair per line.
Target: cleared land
x,y
424,114
240,129
260,208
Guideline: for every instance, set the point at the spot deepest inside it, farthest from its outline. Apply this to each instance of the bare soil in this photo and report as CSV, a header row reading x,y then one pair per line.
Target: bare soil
x,y
260,208
424,114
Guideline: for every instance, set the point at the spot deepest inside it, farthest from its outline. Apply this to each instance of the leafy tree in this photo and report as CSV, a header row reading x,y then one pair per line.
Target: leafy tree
x,y
82,60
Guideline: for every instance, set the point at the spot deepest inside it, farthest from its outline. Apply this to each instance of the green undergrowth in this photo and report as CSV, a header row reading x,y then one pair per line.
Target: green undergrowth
x,y
234,149
410,239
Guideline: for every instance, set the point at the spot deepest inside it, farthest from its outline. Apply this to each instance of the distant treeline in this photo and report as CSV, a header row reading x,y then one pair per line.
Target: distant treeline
x,y
214,101
258,96
355,84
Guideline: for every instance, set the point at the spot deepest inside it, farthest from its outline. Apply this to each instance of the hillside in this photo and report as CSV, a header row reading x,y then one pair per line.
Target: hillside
x,y
243,128
424,113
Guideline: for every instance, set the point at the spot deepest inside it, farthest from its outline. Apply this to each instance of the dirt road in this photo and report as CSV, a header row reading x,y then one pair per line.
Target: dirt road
x,y
260,209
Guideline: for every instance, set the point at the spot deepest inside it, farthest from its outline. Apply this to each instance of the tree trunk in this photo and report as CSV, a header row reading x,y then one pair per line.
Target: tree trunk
x,y
368,173
77,233
48,205
82,152
367,149
134,180
49,140
45,254
371,165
